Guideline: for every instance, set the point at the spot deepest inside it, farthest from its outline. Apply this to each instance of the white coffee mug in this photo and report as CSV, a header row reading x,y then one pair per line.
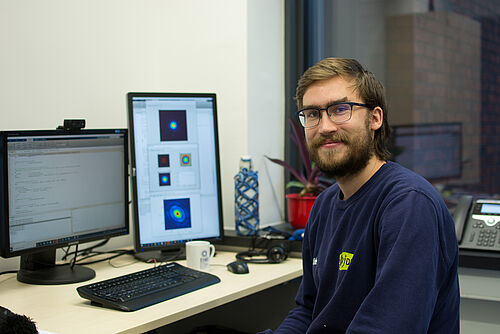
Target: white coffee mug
x,y
199,253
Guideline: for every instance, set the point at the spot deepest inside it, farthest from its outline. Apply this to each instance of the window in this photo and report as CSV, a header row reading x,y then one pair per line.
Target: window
x,y
439,64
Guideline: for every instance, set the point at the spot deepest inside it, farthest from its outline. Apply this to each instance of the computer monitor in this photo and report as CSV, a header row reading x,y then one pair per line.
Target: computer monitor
x,y
60,189
433,150
176,184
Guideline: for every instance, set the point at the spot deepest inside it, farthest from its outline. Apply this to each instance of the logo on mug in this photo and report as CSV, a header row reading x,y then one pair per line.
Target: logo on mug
x,y
204,259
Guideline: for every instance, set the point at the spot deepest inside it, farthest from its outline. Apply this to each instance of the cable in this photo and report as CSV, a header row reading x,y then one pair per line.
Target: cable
x,y
119,253
256,243
88,253
85,250
123,265
75,261
74,258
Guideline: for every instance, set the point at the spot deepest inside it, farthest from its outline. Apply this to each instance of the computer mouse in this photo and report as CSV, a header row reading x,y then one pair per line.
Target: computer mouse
x,y
238,267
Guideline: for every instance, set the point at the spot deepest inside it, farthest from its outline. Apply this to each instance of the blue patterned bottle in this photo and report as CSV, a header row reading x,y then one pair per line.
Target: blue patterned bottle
x,y
246,198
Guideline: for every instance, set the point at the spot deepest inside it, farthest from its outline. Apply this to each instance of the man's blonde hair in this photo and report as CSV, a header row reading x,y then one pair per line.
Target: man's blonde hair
x,y
369,88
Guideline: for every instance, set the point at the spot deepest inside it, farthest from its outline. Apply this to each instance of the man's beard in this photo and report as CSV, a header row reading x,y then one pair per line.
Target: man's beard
x,y
358,149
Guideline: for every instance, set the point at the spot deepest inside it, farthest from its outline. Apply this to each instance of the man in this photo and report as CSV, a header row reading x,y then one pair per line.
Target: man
x,y
379,252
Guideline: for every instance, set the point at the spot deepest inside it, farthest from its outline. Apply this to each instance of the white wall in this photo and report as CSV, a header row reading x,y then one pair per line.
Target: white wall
x,y
266,111
78,59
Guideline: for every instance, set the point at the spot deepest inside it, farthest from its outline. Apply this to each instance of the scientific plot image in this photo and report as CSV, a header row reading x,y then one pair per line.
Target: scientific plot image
x,y
164,179
185,159
173,125
163,160
177,213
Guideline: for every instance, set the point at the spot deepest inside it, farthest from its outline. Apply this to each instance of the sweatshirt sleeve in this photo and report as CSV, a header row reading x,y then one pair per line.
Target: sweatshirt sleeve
x,y
411,268
300,317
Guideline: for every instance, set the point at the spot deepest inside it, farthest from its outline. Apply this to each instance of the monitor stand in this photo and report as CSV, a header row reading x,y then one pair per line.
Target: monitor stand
x,y
165,255
41,268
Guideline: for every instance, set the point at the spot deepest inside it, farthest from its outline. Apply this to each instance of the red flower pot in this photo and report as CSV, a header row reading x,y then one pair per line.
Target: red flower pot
x,y
298,209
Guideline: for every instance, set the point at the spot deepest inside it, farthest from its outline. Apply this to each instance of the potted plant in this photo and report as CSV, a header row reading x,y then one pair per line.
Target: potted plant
x,y
308,179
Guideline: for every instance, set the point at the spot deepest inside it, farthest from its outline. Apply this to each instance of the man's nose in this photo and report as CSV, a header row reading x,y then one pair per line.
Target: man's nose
x,y
326,125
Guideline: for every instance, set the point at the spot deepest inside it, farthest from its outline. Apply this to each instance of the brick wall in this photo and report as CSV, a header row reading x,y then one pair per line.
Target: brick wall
x,y
433,76
490,106
487,12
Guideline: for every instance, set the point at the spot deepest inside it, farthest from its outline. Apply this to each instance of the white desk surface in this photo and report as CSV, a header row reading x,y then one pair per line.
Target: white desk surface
x,y
59,308
479,284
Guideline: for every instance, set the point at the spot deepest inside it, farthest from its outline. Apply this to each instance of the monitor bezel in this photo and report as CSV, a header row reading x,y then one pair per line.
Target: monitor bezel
x,y
454,128
4,199
135,212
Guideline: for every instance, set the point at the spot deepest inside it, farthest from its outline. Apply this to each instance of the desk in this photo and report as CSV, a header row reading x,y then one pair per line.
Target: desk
x,y
480,300
61,310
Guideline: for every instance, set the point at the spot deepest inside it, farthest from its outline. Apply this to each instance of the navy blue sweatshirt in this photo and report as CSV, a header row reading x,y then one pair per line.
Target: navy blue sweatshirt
x,y
382,261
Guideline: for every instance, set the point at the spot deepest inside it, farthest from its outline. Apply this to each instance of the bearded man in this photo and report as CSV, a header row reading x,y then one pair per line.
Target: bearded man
x,y
380,253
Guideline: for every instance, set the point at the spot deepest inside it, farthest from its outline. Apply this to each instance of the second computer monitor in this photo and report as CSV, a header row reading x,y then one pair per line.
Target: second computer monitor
x,y
175,171
60,188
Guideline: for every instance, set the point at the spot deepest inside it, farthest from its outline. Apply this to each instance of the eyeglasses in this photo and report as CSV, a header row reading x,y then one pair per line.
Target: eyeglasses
x,y
339,113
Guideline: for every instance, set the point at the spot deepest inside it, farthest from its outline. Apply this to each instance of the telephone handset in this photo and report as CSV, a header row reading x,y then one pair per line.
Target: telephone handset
x,y
461,214
477,223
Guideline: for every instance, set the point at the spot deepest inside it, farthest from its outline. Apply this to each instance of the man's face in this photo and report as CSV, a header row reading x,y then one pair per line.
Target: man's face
x,y
338,149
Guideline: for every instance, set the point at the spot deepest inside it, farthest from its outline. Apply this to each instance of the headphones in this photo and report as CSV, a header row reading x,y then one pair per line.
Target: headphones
x,y
274,254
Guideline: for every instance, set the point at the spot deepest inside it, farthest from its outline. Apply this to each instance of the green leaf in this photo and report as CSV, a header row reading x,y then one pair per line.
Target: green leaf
x,y
294,184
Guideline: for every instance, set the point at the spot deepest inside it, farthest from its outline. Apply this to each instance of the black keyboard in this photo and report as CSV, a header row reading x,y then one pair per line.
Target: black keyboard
x,y
137,290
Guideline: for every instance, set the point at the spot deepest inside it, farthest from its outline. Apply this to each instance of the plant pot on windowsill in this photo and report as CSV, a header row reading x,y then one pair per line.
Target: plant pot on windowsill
x,y
307,178
299,208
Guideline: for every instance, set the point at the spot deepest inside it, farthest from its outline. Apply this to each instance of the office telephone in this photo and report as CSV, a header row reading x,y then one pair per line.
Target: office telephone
x,y
477,223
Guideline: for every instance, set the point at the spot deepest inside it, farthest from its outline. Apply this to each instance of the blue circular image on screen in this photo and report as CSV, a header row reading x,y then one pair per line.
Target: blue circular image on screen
x,y
173,125
185,159
164,179
177,213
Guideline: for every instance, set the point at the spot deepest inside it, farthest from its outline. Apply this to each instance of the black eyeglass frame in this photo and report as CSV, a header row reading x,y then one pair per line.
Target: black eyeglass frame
x,y
351,104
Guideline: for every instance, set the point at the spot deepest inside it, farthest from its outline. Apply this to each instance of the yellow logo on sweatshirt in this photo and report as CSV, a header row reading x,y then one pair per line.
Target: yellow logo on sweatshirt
x,y
345,260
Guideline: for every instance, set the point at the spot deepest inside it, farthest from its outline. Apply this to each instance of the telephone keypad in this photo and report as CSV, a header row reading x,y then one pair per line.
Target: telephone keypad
x,y
486,235
487,238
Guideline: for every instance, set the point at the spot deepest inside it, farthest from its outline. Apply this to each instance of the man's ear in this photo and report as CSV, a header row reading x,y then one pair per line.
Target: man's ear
x,y
377,118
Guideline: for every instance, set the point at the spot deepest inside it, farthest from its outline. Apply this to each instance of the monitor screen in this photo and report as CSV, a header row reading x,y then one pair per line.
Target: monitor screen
x,y
432,150
175,172
60,189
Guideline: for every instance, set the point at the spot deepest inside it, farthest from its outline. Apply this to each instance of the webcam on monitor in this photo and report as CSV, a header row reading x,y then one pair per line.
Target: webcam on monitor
x,y
72,125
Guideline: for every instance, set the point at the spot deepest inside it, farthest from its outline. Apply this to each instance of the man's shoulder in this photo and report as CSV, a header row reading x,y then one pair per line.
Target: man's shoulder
x,y
399,176
400,182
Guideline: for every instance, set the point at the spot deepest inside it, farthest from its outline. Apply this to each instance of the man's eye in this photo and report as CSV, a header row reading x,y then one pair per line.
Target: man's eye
x,y
339,109
311,114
